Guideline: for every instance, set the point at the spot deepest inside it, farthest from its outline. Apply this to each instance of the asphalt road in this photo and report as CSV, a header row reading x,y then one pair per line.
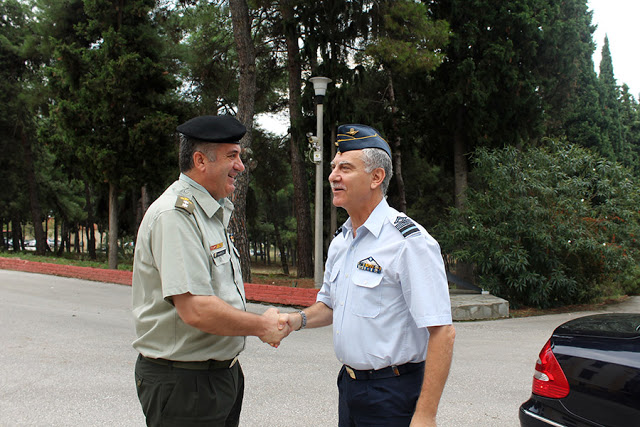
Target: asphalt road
x,y
67,360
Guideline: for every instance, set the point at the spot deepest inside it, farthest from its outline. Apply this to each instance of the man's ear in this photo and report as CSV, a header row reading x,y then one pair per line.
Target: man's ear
x,y
199,160
377,177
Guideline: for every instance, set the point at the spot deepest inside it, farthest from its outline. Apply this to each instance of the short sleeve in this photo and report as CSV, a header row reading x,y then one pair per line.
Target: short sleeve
x,y
424,281
179,255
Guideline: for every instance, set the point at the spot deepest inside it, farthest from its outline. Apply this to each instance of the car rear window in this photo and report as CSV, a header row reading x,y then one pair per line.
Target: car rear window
x,y
623,325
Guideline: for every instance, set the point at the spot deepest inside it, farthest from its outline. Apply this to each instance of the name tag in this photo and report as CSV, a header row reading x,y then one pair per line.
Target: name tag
x,y
219,253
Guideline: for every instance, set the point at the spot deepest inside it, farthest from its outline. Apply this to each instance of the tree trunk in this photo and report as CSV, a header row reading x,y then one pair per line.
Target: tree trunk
x,y
34,199
76,240
145,202
460,169
91,237
396,153
281,248
113,226
55,234
63,238
246,105
16,233
304,254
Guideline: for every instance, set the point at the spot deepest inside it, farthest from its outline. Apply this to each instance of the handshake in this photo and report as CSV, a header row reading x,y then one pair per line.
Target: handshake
x,y
278,326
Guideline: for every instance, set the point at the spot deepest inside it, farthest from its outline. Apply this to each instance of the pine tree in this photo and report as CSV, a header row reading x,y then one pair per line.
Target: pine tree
x,y
612,135
13,194
114,115
630,121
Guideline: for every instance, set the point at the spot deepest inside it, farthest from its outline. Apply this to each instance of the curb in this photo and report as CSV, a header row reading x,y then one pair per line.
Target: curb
x,y
272,294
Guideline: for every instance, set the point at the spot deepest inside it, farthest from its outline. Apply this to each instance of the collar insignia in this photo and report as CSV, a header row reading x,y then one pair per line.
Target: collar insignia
x,y
370,264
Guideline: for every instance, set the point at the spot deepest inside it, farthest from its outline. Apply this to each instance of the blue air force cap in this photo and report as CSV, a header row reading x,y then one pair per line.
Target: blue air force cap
x,y
357,137
213,129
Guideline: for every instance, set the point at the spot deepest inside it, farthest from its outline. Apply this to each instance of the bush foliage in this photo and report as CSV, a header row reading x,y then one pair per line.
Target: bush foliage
x,y
548,226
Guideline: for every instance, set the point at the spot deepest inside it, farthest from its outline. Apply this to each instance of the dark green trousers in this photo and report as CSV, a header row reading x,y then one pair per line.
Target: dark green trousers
x,y
174,397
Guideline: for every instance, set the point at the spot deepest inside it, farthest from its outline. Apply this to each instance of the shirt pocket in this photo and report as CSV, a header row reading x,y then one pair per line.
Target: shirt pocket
x,y
221,271
221,260
367,293
333,286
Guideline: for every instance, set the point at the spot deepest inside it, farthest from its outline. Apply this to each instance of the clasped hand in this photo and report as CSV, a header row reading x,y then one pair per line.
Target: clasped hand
x,y
278,327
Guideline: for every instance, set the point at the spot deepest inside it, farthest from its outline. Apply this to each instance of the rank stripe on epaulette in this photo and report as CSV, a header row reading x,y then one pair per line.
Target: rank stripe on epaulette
x,y
185,204
405,226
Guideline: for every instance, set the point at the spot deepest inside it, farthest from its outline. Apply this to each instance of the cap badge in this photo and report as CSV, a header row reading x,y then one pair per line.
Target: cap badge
x,y
352,132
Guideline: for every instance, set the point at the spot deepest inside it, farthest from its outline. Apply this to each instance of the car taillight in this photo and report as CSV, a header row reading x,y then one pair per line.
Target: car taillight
x,y
549,380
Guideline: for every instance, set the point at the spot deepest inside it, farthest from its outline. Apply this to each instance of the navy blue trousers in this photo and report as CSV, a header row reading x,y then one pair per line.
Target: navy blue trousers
x,y
388,402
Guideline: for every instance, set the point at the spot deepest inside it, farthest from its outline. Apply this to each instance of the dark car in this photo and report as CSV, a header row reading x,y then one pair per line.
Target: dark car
x,y
588,374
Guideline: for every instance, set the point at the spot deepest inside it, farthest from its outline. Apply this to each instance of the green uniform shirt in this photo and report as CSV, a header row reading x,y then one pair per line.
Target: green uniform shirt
x,y
183,246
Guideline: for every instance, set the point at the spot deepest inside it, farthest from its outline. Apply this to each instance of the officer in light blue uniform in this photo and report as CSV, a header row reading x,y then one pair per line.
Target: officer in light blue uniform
x,y
385,292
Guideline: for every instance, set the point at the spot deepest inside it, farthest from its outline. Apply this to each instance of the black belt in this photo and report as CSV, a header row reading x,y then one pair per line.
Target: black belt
x,y
207,365
388,372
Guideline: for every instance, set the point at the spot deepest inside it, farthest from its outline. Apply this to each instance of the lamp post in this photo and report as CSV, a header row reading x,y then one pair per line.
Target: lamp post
x,y
320,89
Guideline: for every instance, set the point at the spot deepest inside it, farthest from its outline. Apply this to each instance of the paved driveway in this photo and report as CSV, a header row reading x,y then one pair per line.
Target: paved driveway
x,y
66,360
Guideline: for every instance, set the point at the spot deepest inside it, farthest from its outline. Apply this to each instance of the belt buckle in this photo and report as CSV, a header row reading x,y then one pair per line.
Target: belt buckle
x,y
352,374
233,362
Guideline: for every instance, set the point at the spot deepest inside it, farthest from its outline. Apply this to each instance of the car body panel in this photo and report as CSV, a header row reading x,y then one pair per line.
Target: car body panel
x,y
600,356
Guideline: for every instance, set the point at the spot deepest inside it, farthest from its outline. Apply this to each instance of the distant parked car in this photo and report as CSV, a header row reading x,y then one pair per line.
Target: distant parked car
x,y
588,374
30,245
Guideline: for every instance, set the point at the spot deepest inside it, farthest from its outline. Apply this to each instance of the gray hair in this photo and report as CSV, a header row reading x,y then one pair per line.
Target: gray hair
x,y
188,146
374,158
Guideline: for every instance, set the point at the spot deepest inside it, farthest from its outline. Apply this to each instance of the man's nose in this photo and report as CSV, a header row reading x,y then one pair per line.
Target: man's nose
x,y
239,165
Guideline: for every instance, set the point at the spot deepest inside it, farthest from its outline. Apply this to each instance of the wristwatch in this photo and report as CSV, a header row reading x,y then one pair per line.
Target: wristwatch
x,y
304,320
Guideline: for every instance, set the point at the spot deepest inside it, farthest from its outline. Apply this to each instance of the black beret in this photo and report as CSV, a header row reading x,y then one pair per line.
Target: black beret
x,y
213,129
357,137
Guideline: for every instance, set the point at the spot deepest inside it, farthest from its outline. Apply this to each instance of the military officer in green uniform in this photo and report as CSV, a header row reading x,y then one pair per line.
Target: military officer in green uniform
x,y
189,304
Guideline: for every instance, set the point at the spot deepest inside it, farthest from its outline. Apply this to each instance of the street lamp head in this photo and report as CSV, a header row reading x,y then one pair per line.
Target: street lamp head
x,y
320,85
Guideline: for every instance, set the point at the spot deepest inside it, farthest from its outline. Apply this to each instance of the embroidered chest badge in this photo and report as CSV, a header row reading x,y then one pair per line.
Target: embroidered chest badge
x,y
370,264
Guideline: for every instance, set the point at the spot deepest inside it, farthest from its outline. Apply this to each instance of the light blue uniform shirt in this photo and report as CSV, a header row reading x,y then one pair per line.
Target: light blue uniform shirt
x,y
385,286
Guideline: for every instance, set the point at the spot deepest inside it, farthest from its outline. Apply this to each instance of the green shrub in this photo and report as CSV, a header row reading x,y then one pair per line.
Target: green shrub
x,y
549,226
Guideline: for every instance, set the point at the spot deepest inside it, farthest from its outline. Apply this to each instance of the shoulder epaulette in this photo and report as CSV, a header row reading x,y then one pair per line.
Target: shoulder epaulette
x,y
338,231
185,204
406,226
